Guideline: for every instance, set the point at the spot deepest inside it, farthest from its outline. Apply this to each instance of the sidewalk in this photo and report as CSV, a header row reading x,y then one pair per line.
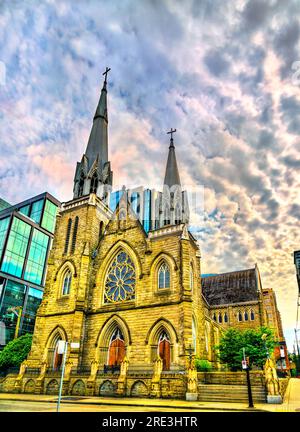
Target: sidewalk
x,y
138,402
291,401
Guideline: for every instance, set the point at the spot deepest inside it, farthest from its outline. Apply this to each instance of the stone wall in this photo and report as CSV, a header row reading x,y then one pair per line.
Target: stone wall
x,y
230,378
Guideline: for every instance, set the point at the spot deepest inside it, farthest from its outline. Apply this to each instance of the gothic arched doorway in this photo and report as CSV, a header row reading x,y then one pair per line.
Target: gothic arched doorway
x,y
164,350
117,348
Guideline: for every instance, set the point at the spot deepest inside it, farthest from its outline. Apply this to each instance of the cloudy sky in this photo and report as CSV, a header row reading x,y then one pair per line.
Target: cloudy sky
x,y
222,73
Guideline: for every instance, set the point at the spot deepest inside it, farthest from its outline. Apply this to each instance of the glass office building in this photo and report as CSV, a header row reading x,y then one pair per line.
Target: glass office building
x,y
26,232
141,203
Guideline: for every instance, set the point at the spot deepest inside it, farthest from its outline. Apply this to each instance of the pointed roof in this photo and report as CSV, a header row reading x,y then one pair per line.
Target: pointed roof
x,y
98,143
172,174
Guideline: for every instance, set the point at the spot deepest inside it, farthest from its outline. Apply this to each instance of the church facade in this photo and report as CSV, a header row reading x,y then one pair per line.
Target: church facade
x,y
127,300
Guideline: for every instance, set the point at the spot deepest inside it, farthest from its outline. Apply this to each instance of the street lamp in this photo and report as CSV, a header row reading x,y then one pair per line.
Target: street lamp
x,y
245,366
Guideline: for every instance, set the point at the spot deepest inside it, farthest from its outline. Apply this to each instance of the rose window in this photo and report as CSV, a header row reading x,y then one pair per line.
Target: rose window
x,y
120,281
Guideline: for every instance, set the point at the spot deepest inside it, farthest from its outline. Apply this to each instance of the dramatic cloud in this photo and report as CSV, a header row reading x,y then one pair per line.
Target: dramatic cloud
x,y
220,72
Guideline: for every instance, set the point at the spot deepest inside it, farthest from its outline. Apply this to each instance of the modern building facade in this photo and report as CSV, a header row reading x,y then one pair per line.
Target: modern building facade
x,y
26,233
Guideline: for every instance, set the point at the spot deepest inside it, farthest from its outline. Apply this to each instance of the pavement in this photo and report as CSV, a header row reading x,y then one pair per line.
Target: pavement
x,y
15,402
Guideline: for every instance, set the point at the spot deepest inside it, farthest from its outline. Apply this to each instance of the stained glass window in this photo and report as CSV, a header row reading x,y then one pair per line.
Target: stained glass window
x,y
164,276
37,257
252,315
120,281
49,217
16,248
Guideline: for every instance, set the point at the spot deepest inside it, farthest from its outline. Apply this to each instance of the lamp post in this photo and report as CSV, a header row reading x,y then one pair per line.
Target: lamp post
x,y
245,366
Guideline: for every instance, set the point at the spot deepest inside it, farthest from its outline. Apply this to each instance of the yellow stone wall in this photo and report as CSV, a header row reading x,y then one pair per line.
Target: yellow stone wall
x,y
82,316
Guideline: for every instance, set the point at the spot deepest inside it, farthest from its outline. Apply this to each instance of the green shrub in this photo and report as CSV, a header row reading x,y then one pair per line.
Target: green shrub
x,y
203,365
15,352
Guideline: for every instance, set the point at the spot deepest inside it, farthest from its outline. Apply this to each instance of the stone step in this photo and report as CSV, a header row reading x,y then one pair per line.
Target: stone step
x,y
229,393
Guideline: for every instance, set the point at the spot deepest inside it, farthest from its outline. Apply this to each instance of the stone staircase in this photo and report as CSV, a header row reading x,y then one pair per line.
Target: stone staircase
x,y
230,393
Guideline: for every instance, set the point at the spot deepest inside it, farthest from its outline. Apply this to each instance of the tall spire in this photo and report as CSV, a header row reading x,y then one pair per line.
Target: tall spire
x,y
93,174
172,174
98,141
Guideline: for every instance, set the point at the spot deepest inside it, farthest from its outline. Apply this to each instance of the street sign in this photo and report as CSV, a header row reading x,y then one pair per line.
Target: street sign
x,y
244,364
61,347
75,345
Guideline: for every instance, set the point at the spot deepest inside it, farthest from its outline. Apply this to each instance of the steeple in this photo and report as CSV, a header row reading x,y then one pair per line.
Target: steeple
x,y
173,205
93,174
172,174
98,141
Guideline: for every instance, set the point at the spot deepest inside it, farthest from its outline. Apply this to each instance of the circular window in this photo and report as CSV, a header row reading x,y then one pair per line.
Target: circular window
x,y
120,281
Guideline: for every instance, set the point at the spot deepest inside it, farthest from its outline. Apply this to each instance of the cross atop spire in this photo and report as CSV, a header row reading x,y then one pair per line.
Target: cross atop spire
x,y
171,139
105,73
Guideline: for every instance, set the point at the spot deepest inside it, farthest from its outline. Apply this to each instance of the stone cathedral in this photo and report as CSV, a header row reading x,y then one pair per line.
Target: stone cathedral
x,y
123,287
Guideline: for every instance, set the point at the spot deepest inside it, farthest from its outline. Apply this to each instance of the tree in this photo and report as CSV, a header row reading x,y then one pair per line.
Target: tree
x,y
233,341
15,352
203,365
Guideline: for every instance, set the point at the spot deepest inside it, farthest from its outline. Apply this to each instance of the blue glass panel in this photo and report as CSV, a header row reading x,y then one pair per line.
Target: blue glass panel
x,y
36,211
33,301
3,230
16,248
114,199
13,297
49,216
25,210
147,210
36,257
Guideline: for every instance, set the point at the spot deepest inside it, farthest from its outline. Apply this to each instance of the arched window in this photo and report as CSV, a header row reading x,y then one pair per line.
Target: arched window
x,y
191,279
214,317
194,335
240,316
120,280
220,317
81,185
225,317
68,236
94,183
74,234
246,317
66,285
164,276
252,315
206,337
101,230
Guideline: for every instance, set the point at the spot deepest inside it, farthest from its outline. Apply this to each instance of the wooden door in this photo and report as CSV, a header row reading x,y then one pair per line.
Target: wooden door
x,y
165,353
116,352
